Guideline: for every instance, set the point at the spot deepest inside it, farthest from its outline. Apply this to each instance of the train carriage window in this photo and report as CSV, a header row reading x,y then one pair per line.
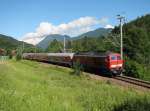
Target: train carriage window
x,y
113,58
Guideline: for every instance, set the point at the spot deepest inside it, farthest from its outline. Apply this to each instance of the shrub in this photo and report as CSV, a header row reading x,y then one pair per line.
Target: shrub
x,y
131,68
77,68
10,56
134,69
18,57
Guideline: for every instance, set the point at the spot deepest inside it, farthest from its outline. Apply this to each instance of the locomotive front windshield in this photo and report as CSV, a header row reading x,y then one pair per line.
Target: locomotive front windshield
x,y
115,57
118,58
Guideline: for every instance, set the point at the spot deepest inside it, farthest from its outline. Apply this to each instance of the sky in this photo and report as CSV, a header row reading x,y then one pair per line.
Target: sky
x,y
32,20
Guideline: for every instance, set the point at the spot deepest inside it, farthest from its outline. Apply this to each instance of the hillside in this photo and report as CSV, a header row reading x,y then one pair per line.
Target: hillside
x,y
7,42
48,39
137,39
95,33
33,86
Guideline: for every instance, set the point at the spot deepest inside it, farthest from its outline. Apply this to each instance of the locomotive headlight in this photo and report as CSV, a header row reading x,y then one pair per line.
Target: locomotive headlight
x,y
116,65
120,65
113,66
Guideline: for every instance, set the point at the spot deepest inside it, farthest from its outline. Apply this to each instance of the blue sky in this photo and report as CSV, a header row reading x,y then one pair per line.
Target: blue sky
x,y
20,17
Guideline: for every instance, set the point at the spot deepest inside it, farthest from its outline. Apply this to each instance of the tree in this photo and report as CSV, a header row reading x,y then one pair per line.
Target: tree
x,y
69,45
85,43
55,46
19,54
137,44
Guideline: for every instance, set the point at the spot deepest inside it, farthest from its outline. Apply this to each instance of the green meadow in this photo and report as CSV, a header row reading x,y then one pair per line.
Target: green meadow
x,y
32,86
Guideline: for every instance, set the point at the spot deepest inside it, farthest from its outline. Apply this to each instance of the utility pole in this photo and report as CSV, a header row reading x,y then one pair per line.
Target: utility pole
x,y
121,19
21,49
35,49
22,46
64,44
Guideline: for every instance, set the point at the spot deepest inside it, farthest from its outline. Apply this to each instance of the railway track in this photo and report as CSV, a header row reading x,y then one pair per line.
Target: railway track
x,y
134,81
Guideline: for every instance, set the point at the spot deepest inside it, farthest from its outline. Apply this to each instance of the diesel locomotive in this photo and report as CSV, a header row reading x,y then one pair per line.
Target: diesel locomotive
x,y
103,62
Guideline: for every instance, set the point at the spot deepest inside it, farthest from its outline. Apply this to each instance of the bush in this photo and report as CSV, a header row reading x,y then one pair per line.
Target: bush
x,y
18,57
134,69
77,68
10,56
131,68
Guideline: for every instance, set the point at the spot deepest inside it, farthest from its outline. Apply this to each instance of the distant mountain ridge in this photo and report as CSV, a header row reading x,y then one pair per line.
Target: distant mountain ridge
x,y
45,42
95,33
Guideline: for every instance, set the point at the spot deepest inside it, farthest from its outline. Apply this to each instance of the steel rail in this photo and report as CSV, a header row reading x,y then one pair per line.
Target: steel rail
x,y
134,81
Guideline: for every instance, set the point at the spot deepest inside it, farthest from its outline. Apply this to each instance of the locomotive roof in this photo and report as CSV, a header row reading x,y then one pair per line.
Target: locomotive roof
x,y
95,53
91,54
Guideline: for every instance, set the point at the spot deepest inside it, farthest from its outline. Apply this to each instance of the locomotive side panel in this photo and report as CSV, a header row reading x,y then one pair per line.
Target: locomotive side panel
x,y
93,62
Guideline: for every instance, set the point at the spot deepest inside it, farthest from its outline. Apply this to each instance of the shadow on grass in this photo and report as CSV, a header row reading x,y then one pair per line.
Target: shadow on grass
x,y
137,104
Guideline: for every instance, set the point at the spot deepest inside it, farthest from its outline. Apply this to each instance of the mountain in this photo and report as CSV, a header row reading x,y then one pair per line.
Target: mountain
x,y
7,42
45,42
95,33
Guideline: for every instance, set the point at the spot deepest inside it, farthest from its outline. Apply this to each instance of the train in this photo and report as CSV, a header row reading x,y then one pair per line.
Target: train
x,y
108,62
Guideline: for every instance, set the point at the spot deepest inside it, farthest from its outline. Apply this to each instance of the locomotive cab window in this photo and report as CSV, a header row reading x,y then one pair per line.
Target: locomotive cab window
x,y
118,58
113,58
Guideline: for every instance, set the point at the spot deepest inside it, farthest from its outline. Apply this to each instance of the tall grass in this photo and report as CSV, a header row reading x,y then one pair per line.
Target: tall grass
x,y
30,86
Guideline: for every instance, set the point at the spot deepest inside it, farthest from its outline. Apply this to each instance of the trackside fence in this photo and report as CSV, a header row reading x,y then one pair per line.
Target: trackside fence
x,y
4,58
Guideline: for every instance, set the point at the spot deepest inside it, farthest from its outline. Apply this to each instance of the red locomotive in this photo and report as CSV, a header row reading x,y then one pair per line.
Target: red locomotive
x,y
104,62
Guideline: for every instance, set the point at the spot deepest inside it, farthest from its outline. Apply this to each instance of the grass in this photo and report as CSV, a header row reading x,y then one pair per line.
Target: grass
x,y
31,86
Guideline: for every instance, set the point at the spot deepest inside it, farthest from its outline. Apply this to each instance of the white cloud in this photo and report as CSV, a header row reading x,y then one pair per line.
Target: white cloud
x,y
109,26
73,28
